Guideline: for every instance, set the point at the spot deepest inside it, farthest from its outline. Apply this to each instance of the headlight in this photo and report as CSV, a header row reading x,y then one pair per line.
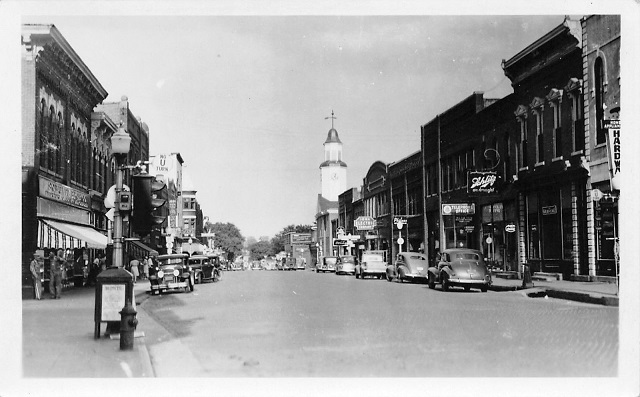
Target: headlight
x,y
176,272
160,273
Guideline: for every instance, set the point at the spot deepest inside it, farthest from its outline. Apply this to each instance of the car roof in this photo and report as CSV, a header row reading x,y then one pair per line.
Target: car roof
x,y
198,257
452,250
172,256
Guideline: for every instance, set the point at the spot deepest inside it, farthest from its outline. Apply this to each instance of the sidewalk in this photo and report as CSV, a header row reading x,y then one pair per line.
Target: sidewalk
x,y
581,291
58,340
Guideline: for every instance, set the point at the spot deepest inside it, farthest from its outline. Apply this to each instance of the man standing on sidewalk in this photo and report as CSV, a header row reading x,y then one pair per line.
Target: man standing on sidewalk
x,y
58,266
35,273
52,261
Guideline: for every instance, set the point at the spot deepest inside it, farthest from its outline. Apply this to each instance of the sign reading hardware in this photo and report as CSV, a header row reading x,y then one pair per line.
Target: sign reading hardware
x,y
483,182
454,209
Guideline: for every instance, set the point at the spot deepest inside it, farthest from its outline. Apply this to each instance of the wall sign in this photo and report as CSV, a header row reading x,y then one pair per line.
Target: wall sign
x,y
454,209
550,210
510,228
62,193
483,182
613,143
364,223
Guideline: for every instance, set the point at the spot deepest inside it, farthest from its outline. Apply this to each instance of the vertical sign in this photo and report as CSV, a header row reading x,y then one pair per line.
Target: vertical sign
x,y
613,144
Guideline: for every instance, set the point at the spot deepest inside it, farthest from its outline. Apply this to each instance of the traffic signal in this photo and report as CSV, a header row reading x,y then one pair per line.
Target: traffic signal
x,y
149,198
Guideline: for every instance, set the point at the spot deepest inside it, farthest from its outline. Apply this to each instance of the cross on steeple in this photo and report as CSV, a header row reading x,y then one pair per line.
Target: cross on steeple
x,y
332,117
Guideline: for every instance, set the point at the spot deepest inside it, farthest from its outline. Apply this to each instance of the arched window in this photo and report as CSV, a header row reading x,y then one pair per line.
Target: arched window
x,y
42,135
599,83
51,140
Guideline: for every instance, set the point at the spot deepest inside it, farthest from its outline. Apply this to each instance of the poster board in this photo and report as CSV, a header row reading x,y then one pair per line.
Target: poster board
x,y
113,299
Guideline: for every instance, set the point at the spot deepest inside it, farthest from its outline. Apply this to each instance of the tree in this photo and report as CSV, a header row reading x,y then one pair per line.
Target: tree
x,y
228,238
277,243
260,249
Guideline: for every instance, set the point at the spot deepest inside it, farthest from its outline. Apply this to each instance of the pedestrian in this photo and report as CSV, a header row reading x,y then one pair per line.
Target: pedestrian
x,y
35,273
58,265
52,260
145,267
103,262
133,268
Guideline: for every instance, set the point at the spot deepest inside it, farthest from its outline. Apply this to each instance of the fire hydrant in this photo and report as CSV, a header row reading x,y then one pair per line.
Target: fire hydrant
x,y
128,323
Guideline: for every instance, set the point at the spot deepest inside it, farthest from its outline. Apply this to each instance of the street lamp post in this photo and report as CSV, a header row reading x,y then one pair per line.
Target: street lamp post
x,y
120,143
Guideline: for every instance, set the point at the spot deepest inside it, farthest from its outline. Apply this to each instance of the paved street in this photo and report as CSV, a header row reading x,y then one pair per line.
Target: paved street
x,y
292,324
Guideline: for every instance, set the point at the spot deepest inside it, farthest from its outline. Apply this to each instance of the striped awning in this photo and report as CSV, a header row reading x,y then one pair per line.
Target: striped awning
x,y
57,234
139,250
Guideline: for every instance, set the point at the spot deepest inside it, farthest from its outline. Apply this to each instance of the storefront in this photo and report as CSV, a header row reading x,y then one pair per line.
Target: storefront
x,y
499,237
459,225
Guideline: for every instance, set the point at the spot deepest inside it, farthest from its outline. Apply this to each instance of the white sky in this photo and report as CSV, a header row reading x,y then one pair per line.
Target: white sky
x,y
244,99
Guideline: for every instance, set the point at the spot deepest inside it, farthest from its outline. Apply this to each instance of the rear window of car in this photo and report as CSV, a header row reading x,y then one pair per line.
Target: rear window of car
x,y
420,257
467,256
348,259
330,261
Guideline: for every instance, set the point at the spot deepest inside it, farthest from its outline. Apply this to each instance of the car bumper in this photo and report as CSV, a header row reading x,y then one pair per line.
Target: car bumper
x,y
416,276
469,282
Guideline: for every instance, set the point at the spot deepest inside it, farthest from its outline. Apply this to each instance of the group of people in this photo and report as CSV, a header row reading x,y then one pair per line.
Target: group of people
x,y
140,268
57,267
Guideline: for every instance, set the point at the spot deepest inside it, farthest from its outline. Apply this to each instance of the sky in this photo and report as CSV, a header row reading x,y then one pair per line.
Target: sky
x,y
244,99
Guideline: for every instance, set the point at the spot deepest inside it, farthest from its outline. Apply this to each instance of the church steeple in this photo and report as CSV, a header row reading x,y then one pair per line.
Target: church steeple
x,y
333,169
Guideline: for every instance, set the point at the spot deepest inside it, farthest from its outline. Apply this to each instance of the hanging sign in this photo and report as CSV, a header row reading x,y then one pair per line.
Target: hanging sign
x,y
364,223
483,182
550,210
510,228
613,143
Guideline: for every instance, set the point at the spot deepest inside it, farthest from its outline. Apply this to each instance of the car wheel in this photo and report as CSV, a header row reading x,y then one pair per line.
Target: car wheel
x,y
467,289
432,282
199,279
380,277
445,284
389,277
191,282
483,288
317,271
217,275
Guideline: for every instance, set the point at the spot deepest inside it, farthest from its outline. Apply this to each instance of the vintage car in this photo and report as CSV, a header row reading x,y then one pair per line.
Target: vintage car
x,y
411,266
205,267
328,264
171,272
301,263
371,264
460,267
289,263
346,265
255,265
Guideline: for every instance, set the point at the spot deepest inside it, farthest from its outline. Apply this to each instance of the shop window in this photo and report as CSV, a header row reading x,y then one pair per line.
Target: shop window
x,y
567,223
533,227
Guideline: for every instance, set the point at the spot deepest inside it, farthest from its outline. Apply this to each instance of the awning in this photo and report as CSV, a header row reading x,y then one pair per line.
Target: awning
x,y
139,249
57,234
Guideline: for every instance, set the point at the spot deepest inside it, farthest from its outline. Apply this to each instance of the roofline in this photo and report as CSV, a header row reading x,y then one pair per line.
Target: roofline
x,y
59,39
557,31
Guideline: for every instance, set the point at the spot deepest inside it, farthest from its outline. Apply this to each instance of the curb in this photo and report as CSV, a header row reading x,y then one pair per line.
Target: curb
x,y
537,292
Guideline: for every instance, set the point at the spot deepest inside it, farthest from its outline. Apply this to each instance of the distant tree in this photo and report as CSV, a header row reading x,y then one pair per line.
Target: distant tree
x,y
264,238
228,238
277,243
250,241
260,250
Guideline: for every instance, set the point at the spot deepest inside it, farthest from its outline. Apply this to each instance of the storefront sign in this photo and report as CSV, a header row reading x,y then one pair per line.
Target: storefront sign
x,y
338,242
300,238
454,209
510,228
469,229
483,182
464,219
62,193
364,223
550,210
613,143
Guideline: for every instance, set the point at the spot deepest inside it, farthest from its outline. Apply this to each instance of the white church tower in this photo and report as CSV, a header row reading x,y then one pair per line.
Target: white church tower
x,y
333,171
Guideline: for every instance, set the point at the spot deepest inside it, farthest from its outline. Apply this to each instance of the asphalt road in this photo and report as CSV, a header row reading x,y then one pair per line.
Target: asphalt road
x,y
303,324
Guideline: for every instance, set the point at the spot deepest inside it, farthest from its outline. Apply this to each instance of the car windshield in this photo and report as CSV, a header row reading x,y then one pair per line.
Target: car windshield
x,y
195,261
371,257
469,256
347,259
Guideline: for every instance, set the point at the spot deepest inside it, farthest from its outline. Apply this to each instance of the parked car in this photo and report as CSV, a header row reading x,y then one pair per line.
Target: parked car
x,y
346,265
460,267
289,263
412,266
371,264
328,264
171,272
255,265
205,267
280,264
301,263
